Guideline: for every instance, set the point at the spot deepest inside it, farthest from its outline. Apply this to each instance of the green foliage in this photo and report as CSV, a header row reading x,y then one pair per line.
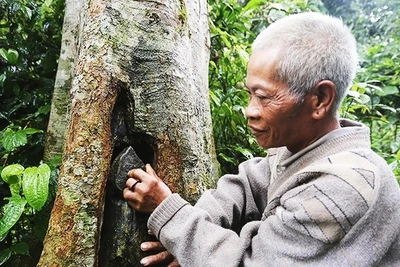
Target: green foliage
x,y
374,98
231,34
11,213
30,185
12,174
35,189
30,36
14,137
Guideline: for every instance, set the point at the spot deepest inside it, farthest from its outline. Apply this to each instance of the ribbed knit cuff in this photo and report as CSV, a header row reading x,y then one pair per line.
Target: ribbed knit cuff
x,y
164,212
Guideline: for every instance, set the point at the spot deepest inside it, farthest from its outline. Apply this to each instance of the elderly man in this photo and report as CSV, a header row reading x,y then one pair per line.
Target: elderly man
x,y
321,197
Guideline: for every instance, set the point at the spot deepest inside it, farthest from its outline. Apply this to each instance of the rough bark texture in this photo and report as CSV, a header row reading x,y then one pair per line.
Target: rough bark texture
x,y
140,80
58,120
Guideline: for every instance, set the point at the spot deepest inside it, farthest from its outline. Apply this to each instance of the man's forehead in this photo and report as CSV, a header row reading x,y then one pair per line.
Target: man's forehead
x,y
263,60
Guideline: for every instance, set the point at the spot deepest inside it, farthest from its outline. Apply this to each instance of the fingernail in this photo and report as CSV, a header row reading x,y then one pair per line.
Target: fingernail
x,y
144,246
143,261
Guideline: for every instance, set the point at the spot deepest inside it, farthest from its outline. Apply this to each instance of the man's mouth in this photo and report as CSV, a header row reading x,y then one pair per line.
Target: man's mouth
x,y
255,131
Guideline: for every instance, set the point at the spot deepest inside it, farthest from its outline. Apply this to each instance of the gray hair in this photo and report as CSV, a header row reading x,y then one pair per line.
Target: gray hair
x,y
313,47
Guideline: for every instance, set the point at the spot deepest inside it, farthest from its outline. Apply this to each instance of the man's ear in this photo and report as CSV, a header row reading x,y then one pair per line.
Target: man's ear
x,y
323,96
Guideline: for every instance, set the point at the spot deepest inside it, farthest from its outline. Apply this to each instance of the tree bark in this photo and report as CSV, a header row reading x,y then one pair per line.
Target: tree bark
x,y
140,80
58,120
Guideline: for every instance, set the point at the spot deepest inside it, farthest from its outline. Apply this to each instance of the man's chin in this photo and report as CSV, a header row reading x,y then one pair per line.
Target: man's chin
x,y
266,144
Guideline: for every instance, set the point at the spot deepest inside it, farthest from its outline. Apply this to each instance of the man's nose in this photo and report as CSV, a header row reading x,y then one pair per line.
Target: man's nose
x,y
252,112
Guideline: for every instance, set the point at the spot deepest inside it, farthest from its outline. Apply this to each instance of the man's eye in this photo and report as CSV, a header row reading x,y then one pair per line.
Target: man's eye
x,y
261,97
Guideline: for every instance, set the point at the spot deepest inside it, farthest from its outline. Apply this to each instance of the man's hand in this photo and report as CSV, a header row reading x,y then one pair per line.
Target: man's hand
x,y
145,190
162,255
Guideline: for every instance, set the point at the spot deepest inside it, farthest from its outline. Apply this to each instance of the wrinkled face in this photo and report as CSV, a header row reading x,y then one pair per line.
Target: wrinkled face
x,y
273,115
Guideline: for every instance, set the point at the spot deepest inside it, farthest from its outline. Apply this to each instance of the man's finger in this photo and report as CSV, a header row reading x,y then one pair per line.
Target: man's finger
x,y
150,232
135,173
161,257
131,183
152,246
141,175
150,170
128,194
174,263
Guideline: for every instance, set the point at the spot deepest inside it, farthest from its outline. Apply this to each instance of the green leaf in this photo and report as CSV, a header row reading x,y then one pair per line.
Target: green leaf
x,y
32,131
243,55
15,7
35,184
376,88
55,161
253,4
21,248
385,107
215,98
28,12
353,93
12,174
3,53
245,152
44,109
2,78
16,89
278,6
3,236
361,84
13,139
48,2
12,212
11,55
4,255
388,90
15,189
227,158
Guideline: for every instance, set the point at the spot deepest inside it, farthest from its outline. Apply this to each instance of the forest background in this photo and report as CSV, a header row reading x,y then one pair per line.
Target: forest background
x,y
30,37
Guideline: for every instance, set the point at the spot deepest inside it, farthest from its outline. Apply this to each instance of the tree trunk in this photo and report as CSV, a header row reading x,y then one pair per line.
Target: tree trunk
x,y
140,81
58,120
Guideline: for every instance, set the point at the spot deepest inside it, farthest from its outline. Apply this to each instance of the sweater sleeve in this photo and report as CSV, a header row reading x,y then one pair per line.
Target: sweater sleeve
x,y
304,230
239,198
191,236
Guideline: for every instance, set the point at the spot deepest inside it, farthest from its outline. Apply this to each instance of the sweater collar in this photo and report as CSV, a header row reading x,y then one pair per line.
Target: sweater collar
x,y
350,134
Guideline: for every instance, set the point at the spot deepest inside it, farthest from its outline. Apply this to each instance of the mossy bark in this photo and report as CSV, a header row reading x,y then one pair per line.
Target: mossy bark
x,y
55,135
151,56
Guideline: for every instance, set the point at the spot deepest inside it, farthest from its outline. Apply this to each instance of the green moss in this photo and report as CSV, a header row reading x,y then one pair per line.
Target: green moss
x,y
208,181
70,196
182,17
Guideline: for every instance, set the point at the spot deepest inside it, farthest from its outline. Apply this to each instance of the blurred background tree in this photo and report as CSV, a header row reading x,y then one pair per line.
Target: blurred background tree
x,y
30,34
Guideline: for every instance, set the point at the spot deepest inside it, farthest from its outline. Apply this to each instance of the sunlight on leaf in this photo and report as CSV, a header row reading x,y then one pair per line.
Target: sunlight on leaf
x,y
35,185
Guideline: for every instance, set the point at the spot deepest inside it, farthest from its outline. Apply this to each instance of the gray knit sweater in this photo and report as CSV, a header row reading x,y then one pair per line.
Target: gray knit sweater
x,y
335,203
